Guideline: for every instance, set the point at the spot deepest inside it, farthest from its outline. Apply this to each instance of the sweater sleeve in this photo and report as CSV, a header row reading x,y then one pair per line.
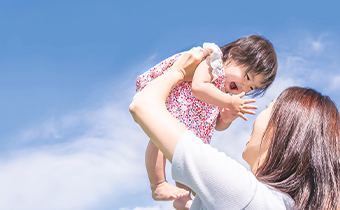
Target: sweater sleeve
x,y
219,181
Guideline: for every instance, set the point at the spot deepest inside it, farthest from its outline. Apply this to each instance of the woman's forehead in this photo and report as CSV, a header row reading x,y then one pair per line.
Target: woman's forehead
x,y
273,102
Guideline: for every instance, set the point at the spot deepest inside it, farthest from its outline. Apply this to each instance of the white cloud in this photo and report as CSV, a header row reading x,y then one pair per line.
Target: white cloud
x,y
310,44
311,61
317,45
106,160
80,160
335,82
48,130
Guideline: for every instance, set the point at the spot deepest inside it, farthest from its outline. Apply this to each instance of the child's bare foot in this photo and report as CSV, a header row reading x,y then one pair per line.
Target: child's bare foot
x,y
167,192
183,203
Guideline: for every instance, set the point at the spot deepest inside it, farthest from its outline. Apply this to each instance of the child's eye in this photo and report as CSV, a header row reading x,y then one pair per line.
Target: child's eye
x,y
251,88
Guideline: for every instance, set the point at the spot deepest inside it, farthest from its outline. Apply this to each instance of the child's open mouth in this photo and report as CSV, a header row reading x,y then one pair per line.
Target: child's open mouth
x,y
233,86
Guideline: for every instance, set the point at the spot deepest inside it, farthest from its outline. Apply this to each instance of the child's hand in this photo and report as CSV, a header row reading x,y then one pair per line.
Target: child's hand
x,y
241,107
227,116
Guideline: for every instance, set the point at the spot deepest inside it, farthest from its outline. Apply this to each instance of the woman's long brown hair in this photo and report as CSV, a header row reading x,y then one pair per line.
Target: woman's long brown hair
x,y
303,158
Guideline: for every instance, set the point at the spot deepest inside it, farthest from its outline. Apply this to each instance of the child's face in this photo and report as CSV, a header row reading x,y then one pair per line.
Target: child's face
x,y
237,81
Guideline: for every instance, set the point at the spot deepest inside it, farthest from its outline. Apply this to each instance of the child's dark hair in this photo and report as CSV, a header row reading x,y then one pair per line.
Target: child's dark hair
x,y
257,54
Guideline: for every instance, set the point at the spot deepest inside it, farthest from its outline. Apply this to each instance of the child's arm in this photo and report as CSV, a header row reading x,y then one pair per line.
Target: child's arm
x,y
224,119
203,89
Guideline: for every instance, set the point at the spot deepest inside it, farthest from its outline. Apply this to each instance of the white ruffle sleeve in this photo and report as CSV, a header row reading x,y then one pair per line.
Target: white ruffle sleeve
x,y
215,59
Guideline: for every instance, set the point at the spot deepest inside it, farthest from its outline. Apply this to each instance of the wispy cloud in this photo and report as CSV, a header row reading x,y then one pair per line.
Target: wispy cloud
x,y
335,83
312,60
316,44
80,159
104,160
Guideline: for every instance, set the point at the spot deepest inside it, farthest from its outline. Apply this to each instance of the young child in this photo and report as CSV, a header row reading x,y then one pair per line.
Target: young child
x,y
212,100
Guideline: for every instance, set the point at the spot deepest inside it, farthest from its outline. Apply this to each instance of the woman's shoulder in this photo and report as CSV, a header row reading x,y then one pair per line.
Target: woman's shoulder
x,y
215,176
267,197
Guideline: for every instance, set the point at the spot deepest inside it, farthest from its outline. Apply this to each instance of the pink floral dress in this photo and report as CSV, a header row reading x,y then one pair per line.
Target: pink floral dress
x,y
196,115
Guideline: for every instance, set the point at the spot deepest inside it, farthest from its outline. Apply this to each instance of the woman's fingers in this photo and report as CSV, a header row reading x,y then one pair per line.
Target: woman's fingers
x,y
193,49
206,52
200,52
189,60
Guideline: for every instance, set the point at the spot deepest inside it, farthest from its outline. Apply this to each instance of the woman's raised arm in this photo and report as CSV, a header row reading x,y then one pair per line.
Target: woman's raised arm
x,y
148,107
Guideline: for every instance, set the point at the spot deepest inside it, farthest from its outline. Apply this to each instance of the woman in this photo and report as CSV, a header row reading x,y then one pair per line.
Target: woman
x,y
293,151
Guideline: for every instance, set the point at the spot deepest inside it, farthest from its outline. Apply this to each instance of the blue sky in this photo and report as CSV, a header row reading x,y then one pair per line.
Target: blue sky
x,y
68,69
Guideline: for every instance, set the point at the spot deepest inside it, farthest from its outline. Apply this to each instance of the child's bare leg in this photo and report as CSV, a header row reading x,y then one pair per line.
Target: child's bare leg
x,y
155,166
185,202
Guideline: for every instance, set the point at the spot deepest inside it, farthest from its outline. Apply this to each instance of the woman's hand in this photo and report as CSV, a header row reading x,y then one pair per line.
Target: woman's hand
x,y
189,60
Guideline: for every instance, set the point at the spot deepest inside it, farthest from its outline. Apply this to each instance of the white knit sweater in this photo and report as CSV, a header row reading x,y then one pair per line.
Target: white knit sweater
x,y
219,181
